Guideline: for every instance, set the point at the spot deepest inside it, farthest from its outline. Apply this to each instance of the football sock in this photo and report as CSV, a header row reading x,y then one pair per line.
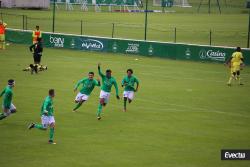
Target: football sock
x,y
77,106
239,80
230,79
3,45
51,133
125,103
99,110
39,126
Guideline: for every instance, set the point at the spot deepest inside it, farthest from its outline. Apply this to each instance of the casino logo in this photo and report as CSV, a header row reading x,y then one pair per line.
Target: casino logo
x,y
212,55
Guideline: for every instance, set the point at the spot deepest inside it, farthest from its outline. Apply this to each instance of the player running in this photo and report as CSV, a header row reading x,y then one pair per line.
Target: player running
x,y
7,106
128,82
47,116
88,85
235,62
107,82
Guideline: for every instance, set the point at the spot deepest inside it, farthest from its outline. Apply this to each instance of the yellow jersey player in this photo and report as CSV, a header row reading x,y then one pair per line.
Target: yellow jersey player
x,y
235,62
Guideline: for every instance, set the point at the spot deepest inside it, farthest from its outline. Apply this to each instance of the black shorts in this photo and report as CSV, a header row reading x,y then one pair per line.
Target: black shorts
x,y
37,58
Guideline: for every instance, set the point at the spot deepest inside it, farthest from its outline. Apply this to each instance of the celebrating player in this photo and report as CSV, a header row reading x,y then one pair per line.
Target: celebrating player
x,y
8,107
235,62
88,84
47,116
107,82
129,89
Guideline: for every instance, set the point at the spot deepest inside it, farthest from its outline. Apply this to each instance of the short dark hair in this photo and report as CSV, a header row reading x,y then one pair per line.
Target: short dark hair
x,y
11,82
91,72
37,26
51,92
108,70
238,49
130,70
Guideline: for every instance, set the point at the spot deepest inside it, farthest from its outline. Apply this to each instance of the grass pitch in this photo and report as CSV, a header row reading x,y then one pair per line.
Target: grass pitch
x,y
183,114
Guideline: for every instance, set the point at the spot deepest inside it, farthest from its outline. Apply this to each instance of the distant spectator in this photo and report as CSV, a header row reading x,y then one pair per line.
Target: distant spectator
x,y
2,34
36,34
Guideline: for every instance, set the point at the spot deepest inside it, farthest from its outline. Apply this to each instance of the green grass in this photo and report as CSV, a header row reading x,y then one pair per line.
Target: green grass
x,y
228,29
183,114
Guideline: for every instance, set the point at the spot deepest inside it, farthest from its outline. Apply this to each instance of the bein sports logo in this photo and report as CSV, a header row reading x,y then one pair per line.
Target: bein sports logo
x,y
212,55
92,44
133,48
57,41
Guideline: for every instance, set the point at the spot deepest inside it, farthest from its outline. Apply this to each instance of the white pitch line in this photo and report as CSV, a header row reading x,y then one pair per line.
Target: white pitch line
x,y
193,108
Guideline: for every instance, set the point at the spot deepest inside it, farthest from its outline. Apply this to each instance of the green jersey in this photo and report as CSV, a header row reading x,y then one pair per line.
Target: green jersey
x,y
87,85
47,107
108,82
8,94
129,83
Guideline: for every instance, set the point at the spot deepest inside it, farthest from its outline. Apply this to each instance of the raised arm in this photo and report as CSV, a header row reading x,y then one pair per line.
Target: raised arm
x,y
99,70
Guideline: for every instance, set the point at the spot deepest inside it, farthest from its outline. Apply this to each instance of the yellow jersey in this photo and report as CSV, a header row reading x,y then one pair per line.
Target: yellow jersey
x,y
236,58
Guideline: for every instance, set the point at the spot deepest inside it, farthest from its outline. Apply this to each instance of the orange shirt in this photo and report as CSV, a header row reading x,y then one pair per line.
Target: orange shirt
x,y
36,34
2,28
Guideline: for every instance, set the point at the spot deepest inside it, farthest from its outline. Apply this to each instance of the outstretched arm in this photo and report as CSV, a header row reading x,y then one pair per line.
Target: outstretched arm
x,y
99,70
77,84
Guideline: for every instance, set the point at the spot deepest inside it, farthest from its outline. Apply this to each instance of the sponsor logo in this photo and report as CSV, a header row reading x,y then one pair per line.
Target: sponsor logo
x,y
56,41
114,47
212,55
235,154
188,53
133,48
92,44
72,43
150,50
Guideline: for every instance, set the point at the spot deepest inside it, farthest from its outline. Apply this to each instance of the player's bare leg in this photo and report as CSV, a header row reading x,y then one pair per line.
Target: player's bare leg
x,y
79,103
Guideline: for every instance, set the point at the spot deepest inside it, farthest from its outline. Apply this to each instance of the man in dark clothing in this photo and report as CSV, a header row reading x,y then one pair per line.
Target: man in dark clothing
x,y
37,50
